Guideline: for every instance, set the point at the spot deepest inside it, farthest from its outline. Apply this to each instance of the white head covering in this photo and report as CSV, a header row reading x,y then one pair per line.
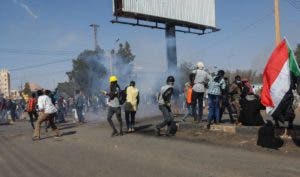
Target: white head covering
x,y
200,65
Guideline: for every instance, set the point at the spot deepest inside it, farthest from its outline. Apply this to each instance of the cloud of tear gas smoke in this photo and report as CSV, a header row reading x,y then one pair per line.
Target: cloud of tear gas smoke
x,y
147,79
26,7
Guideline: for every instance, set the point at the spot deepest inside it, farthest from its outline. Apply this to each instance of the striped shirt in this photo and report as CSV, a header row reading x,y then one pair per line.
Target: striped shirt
x,y
214,88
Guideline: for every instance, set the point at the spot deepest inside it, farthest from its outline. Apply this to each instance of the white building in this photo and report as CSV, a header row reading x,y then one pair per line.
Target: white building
x,y
5,82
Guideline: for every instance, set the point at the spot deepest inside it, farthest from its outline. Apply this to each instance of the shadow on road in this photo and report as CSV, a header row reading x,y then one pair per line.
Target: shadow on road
x,y
67,126
68,133
62,134
143,127
268,137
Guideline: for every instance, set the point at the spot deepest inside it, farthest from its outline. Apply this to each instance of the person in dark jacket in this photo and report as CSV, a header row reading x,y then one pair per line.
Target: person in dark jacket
x,y
225,102
60,111
79,105
164,105
12,107
250,110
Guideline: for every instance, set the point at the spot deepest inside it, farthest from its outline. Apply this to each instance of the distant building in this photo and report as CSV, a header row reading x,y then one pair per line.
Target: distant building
x,y
5,82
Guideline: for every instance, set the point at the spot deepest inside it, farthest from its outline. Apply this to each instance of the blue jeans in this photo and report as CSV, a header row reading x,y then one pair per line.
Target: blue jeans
x,y
189,111
168,117
214,108
79,111
197,98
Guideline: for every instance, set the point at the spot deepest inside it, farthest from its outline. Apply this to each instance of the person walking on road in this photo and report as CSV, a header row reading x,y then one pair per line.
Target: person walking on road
x,y
164,105
131,105
114,106
47,112
79,105
199,88
31,109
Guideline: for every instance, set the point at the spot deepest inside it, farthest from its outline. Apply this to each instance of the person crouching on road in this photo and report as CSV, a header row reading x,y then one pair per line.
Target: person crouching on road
x,y
47,111
131,105
164,105
114,106
215,87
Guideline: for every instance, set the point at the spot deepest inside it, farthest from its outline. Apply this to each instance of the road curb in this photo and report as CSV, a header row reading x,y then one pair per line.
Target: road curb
x,y
239,130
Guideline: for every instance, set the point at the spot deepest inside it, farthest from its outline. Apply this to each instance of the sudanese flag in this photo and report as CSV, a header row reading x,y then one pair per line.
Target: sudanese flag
x,y
277,76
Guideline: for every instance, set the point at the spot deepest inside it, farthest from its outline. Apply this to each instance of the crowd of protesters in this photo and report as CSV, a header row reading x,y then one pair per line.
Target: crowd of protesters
x,y
203,90
11,110
237,98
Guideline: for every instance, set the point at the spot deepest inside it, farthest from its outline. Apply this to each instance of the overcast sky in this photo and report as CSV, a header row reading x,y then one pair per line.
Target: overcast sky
x,y
33,32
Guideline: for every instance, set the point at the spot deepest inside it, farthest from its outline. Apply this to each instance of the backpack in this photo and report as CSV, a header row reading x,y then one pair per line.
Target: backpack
x,y
122,96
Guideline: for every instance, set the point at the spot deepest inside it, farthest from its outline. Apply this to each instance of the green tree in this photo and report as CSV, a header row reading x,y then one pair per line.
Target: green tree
x,y
123,65
88,71
125,54
67,88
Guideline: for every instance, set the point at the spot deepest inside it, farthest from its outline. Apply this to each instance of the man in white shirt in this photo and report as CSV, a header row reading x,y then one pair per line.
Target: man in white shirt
x,y
47,112
200,83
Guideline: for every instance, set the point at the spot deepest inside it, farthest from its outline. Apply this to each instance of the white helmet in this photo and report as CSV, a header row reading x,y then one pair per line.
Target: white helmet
x,y
200,65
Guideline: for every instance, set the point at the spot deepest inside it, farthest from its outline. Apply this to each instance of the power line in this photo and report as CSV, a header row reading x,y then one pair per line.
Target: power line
x,y
36,52
39,65
241,30
38,75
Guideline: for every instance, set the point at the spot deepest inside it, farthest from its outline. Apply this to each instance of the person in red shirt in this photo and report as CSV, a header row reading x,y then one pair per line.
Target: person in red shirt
x,y
31,109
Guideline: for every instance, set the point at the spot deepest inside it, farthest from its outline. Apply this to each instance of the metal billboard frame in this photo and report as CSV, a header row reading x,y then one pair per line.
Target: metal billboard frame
x,y
138,18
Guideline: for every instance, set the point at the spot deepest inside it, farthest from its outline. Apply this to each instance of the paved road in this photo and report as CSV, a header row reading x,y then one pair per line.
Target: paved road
x,y
88,151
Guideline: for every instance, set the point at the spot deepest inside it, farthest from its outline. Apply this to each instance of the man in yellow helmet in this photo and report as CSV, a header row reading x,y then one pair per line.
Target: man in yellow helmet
x,y
114,106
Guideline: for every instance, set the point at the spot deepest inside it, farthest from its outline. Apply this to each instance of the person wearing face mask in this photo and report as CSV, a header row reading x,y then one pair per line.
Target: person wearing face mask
x,y
235,91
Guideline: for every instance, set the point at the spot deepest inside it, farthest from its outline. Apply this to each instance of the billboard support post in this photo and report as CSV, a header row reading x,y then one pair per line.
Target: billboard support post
x,y
171,46
192,16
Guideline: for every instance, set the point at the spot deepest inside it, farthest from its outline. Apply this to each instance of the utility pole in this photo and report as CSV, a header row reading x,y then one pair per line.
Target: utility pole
x,y
277,22
95,27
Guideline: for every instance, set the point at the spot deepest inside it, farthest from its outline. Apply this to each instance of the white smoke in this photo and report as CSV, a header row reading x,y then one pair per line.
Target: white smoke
x,y
26,7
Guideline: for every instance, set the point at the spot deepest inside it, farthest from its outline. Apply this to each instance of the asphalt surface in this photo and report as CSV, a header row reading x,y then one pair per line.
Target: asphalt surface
x,y
89,151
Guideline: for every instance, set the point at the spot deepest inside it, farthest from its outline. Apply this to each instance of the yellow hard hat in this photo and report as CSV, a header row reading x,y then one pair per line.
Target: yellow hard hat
x,y
113,79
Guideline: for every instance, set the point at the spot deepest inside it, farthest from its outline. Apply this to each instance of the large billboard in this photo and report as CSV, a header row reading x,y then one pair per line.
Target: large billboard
x,y
187,13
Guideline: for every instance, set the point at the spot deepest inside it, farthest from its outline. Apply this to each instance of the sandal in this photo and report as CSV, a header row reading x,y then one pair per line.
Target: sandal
x,y
36,138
